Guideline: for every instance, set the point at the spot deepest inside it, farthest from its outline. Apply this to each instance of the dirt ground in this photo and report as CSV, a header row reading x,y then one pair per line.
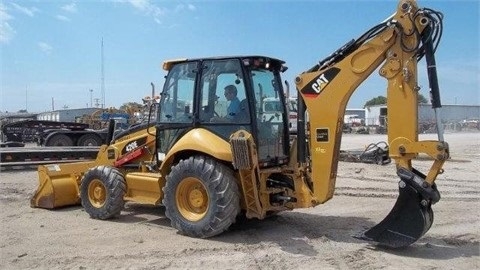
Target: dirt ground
x,y
316,238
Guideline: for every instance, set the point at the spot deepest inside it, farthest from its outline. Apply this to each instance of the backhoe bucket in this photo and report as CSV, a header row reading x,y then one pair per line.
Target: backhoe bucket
x,y
59,184
411,216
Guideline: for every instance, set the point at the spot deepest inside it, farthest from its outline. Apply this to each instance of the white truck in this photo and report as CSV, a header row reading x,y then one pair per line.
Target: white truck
x,y
272,110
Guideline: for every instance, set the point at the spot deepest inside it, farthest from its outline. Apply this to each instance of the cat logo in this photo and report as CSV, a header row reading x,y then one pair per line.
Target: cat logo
x,y
319,84
316,86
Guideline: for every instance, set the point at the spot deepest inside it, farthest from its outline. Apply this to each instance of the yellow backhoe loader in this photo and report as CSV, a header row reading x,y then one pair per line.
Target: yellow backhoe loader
x,y
214,153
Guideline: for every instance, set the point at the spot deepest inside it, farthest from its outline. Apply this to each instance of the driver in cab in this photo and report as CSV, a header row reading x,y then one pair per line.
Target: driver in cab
x,y
233,106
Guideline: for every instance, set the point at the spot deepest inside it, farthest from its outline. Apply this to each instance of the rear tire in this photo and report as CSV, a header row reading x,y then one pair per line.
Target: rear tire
x,y
59,140
201,197
102,191
89,140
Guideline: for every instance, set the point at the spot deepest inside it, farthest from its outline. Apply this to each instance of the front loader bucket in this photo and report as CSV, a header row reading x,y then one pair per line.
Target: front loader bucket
x,y
59,185
411,216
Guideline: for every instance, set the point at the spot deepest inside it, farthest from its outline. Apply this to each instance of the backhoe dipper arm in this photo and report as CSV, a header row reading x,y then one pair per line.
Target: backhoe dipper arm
x,y
396,44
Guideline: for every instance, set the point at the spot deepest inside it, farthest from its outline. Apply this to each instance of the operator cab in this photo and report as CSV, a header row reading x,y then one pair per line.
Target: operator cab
x,y
224,95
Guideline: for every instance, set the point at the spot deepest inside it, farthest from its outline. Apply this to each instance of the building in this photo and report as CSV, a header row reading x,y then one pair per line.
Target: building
x,y
360,113
6,118
355,117
67,115
450,114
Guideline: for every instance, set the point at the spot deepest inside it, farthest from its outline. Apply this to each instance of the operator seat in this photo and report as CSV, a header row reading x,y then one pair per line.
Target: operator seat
x,y
243,115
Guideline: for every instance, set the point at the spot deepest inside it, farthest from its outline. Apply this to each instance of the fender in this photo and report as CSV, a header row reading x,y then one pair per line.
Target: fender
x,y
204,141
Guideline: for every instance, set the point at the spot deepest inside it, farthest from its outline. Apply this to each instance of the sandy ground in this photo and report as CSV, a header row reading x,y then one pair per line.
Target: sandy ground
x,y
316,238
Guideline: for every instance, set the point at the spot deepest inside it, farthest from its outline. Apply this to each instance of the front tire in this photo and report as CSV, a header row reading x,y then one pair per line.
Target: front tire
x,y
201,197
102,191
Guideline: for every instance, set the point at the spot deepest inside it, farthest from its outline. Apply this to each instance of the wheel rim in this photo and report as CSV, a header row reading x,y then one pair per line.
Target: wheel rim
x,y
97,193
192,199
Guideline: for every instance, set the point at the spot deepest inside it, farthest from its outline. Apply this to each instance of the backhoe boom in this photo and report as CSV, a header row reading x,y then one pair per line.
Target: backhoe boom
x,y
394,47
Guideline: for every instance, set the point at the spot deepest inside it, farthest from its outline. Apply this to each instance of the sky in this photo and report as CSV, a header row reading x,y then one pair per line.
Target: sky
x,y
51,51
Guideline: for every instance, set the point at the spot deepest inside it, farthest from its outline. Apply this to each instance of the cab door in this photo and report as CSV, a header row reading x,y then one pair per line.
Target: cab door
x,y
176,112
223,107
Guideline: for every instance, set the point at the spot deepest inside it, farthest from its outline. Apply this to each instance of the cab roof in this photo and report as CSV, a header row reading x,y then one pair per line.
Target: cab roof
x,y
168,64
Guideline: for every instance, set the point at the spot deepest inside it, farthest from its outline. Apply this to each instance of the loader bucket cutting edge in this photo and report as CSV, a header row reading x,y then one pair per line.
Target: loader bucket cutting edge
x,y
406,223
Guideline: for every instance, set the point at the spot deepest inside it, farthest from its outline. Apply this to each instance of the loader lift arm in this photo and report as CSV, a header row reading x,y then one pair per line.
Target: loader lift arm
x,y
394,46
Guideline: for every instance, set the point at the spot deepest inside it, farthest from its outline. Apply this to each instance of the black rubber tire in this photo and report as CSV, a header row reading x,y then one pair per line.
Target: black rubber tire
x,y
219,185
59,140
101,191
89,140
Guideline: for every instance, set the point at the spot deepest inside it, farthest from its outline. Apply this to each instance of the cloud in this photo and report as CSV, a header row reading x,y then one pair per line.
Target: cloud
x,y
62,18
6,31
140,4
45,47
181,7
27,11
72,8
148,8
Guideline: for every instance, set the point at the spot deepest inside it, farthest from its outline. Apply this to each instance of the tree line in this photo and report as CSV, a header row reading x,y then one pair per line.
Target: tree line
x,y
381,100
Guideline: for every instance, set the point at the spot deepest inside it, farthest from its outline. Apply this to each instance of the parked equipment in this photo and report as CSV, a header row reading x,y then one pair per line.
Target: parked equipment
x,y
28,130
87,130
53,133
208,163
78,137
375,153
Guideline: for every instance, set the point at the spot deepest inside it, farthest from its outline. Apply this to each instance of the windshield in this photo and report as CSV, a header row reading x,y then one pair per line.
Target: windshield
x,y
177,96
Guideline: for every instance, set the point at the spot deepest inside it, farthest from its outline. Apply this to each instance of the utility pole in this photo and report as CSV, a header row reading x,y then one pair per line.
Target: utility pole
x,y
103,79
26,98
91,98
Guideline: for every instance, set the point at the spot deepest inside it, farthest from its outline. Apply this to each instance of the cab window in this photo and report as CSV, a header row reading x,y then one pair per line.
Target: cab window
x,y
223,92
270,113
177,96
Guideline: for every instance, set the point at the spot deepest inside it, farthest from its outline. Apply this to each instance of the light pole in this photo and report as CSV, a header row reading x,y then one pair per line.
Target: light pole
x,y
91,98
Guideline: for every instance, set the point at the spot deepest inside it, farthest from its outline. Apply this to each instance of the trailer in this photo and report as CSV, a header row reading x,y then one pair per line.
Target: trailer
x,y
26,130
26,157
53,133
67,137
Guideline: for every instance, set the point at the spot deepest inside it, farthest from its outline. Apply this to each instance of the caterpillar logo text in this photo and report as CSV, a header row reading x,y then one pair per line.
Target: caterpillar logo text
x,y
321,82
317,85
